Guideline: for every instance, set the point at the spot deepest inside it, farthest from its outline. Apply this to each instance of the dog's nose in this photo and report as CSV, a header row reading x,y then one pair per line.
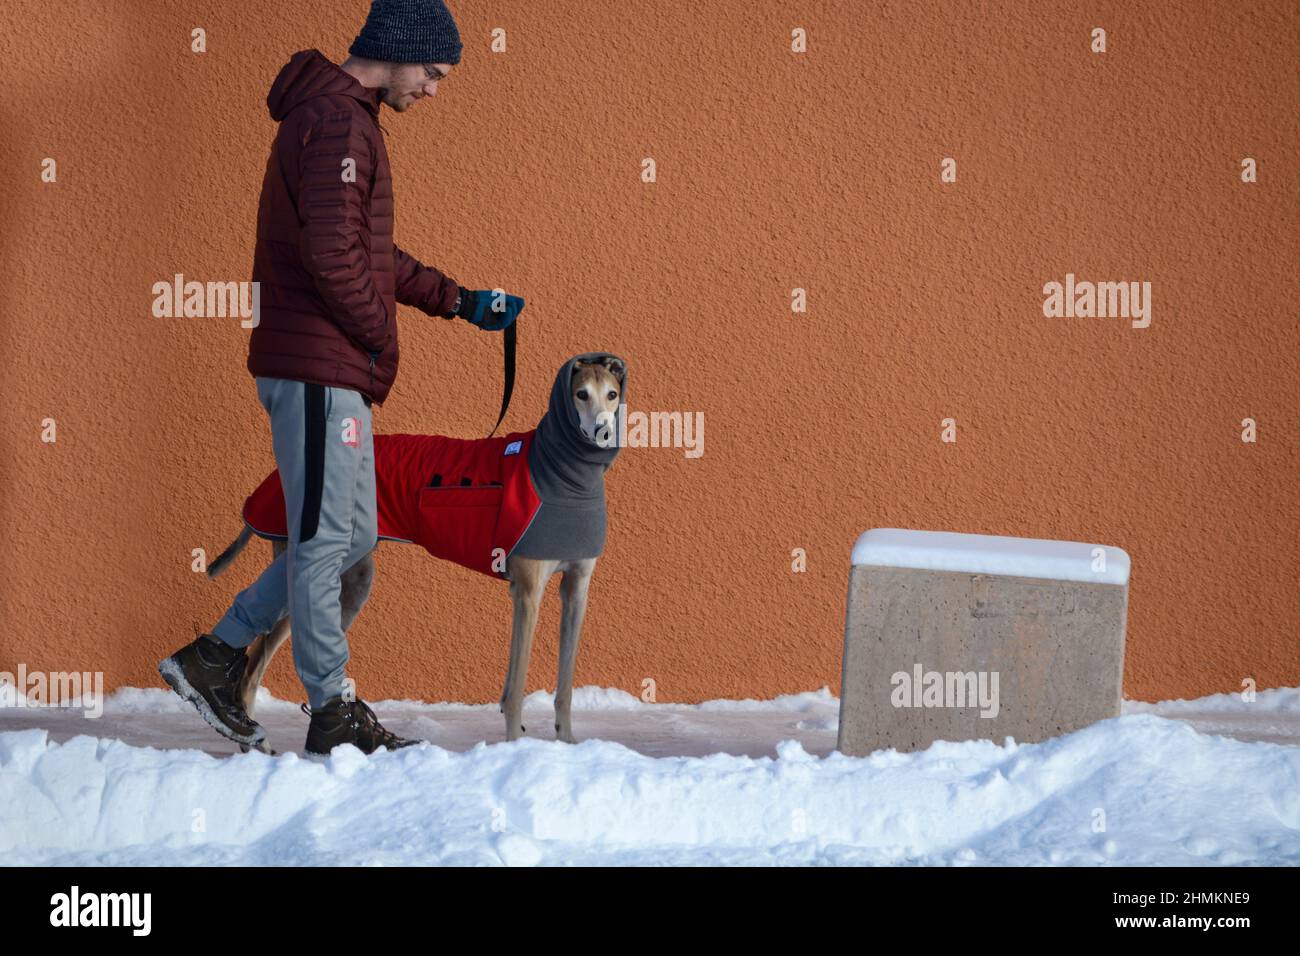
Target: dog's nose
x,y
604,433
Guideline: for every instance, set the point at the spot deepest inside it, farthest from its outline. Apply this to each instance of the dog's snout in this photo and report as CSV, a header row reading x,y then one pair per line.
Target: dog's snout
x,y
604,430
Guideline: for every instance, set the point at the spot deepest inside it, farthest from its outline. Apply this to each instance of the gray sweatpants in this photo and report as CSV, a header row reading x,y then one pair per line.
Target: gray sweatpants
x,y
324,449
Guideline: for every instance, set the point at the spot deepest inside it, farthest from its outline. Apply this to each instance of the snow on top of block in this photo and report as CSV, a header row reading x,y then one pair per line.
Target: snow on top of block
x,y
992,554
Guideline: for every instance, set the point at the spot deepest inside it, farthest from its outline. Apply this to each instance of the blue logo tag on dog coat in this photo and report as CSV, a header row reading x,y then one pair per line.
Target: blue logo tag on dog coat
x,y
513,448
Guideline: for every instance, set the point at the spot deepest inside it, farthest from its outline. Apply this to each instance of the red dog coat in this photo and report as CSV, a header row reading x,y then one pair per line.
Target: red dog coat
x,y
465,500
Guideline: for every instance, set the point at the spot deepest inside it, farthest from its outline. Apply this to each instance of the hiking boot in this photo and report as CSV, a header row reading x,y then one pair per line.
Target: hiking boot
x,y
348,722
207,674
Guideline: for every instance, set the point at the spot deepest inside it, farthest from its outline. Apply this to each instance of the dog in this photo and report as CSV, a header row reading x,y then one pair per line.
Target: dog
x,y
562,461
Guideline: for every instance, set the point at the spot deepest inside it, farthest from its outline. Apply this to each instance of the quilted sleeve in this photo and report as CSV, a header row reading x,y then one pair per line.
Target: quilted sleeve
x,y
332,192
423,286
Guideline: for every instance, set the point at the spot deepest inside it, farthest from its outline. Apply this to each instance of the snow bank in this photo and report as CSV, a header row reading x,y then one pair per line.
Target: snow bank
x,y
1277,700
1139,789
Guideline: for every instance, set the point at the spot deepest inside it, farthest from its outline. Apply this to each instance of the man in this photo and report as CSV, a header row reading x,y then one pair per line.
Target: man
x,y
324,349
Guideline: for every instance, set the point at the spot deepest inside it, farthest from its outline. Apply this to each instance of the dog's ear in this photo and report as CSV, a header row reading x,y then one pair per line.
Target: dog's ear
x,y
615,366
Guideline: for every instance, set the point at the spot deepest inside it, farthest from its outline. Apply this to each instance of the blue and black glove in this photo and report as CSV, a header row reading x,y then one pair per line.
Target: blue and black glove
x,y
489,310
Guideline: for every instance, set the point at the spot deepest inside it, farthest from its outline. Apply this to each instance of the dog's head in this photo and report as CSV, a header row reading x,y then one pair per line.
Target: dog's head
x,y
596,388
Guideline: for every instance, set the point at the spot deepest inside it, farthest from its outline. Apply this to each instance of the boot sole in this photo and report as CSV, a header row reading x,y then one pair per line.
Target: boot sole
x,y
174,675
324,758
263,747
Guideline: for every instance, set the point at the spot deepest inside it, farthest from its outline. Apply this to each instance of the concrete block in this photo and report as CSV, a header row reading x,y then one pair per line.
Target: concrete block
x,y
961,637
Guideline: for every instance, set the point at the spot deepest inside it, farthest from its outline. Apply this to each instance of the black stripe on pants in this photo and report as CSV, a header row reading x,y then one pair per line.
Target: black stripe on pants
x,y
313,458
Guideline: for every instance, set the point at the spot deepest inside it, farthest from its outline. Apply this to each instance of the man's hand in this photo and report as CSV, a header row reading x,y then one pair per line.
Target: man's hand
x,y
490,309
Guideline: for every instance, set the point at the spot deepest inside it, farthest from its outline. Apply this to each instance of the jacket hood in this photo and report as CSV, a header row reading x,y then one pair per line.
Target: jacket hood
x,y
560,429
309,74
568,473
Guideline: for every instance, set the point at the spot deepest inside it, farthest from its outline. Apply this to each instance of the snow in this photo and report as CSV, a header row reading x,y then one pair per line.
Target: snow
x,y
1208,782
991,554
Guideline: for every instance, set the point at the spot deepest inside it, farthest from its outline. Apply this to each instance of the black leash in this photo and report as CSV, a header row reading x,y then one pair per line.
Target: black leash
x,y
509,387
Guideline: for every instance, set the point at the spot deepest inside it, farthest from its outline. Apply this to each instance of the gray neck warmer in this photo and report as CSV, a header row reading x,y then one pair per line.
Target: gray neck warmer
x,y
568,472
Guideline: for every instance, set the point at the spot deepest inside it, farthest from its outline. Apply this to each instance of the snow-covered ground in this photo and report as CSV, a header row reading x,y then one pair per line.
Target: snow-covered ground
x,y
1211,781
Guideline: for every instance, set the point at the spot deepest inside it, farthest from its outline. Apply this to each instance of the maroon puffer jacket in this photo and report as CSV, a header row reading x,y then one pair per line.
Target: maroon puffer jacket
x,y
329,270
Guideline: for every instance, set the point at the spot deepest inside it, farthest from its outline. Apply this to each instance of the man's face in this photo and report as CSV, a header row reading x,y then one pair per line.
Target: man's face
x,y
409,82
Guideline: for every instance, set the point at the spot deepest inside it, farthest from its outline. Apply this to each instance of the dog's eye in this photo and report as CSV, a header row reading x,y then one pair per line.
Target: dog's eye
x,y
582,394
612,395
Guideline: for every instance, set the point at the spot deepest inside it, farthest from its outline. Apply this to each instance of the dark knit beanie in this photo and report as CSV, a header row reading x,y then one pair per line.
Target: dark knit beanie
x,y
408,31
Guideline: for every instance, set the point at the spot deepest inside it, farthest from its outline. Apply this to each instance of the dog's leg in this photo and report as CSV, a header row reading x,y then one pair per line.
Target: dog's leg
x,y
355,585
527,585
573,595
260,653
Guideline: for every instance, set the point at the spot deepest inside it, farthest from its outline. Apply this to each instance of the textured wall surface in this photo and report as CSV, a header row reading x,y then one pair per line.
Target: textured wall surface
x,y
775,170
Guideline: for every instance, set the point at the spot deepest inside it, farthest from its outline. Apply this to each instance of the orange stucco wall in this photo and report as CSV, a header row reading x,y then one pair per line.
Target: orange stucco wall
x,y
775,171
